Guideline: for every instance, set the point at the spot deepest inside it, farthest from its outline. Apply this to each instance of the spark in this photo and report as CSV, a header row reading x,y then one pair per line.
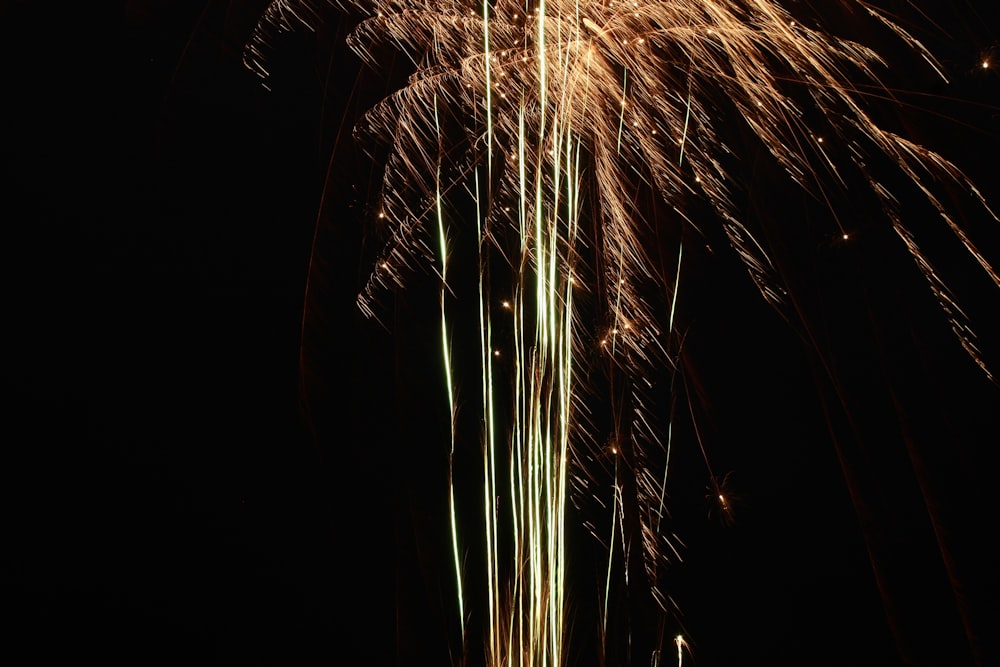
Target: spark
x,y
681,644
560,122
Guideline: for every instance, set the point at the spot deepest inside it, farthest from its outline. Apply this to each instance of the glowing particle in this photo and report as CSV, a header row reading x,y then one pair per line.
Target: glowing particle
x,y
681,645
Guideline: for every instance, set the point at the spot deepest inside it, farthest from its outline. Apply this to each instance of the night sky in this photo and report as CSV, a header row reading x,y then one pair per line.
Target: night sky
x,y
188,479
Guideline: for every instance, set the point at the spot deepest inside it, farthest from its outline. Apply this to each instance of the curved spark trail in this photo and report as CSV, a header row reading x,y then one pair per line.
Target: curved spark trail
x,y
568,134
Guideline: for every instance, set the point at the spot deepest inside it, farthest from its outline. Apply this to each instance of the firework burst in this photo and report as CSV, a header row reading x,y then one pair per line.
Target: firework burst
x,y
587,146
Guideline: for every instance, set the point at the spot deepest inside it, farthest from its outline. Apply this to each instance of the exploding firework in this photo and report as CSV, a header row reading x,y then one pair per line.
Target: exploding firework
x,y
587,149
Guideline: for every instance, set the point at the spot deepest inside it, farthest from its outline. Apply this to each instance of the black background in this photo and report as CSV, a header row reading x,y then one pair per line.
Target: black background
x,y
168,496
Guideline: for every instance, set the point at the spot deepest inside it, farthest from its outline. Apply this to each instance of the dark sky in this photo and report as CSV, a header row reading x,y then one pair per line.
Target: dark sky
x,y
170,498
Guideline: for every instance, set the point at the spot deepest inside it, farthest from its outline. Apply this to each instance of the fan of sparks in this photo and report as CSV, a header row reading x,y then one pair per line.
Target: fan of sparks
x,y
568,137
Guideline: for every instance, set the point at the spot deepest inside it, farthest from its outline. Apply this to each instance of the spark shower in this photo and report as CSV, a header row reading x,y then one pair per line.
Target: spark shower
x,y
575,140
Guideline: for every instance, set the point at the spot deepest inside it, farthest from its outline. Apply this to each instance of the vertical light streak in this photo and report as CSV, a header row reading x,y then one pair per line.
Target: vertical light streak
x,y
621,113
488,89
611,552
668,444
486,356
520,465
684,134
449,383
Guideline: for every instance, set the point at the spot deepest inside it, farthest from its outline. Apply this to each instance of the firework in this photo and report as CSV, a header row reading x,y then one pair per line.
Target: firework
x,y
575,141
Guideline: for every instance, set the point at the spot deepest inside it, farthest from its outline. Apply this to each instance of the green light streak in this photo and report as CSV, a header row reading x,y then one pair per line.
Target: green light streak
x,y
446,356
